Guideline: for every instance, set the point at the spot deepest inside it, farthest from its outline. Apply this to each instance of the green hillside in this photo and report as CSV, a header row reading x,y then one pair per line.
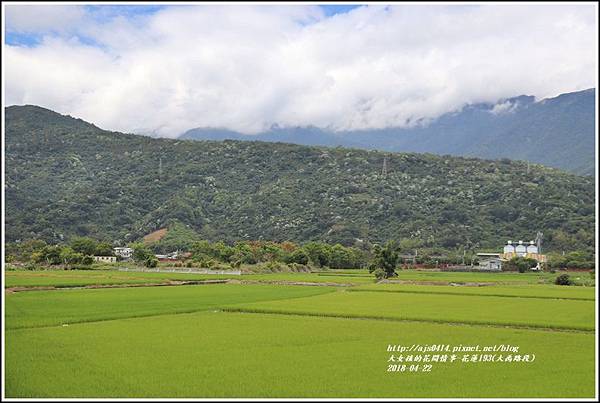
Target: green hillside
x,y
557,132
65,177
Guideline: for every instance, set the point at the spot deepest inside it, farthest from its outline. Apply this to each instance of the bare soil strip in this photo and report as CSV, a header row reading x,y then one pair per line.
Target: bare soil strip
x,y
94,286
11,290
438,282
283,282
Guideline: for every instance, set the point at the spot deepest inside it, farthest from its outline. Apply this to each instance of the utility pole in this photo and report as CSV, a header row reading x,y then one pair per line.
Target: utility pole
x,y
384,168
538,241
160,168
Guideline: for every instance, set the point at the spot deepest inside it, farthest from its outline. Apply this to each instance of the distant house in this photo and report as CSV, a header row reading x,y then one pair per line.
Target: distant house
x,y
123,252
491,264
169,257
105,259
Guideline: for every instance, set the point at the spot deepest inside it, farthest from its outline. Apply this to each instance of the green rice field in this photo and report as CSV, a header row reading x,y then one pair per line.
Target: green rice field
x,y
524,291
78,278
269,339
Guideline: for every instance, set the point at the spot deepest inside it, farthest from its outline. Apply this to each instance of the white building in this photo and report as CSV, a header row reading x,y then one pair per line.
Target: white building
x,y
123,252
491,264
509,247
522,249
532,247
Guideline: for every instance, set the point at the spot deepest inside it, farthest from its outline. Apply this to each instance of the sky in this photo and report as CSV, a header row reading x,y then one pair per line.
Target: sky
x,y
164,69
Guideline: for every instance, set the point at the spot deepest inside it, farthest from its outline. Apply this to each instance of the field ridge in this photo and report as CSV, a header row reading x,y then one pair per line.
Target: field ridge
x,y
556,328
475,294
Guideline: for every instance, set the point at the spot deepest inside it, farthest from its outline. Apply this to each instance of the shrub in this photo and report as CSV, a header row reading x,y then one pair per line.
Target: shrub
x,y
563,279
299,268
298,256
379,274
31,266
151,262
522,264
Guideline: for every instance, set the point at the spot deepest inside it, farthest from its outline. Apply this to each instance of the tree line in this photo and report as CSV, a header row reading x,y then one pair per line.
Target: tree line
x,y
381,259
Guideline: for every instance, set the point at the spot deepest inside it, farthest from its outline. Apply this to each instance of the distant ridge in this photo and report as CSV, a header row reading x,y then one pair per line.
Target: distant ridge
x,y
557,132
65,177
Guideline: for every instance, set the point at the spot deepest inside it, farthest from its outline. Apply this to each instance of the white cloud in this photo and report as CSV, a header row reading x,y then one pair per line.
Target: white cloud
x,y
248,67
503,107
42,18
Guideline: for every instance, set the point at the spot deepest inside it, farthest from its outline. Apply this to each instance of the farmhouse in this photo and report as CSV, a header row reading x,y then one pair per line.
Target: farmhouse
x,y
123,252
490,261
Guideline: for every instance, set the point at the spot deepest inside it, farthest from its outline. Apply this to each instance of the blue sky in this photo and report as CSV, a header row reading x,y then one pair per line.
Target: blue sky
x,y
104,13
338,8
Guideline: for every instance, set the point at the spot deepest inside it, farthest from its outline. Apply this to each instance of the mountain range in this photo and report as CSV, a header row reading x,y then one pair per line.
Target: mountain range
x,y
65,177
557,132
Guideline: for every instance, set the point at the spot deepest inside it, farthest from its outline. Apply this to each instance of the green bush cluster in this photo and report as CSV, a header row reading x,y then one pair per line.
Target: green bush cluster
x,y
563,279
35,253
316,254
522,264
572,260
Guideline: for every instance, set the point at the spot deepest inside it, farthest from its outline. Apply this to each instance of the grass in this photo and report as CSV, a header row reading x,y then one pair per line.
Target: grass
x,y
51,308
523,291
212,355
106,276
502,277
505,311
310,277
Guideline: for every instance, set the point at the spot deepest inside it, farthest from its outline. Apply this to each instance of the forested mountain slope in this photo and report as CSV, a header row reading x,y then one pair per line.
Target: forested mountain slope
x,y
65,177
558,132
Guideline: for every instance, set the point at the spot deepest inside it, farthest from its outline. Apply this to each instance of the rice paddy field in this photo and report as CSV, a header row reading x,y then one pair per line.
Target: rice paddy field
x,y
297,335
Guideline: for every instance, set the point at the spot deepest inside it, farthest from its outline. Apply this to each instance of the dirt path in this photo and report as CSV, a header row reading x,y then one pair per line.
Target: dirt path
x,y
434,282
283,282
11,290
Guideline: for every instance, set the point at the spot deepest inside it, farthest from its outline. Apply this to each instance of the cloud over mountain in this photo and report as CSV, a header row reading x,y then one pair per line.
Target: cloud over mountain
x,y
245,68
